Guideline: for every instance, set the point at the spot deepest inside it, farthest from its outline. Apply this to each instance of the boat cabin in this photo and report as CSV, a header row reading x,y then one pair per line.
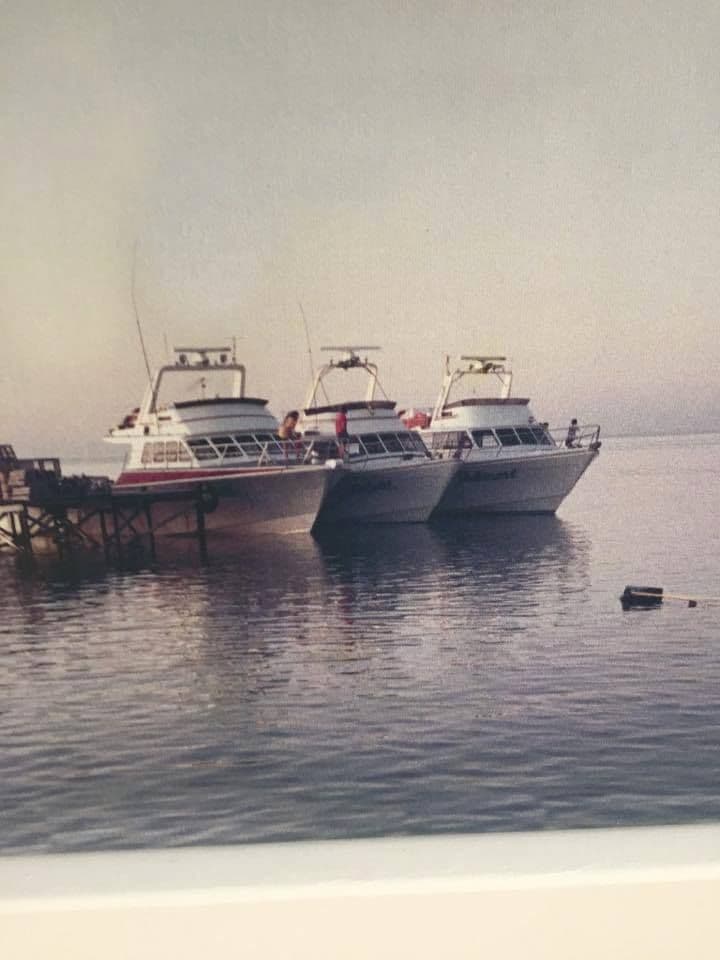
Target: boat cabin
x,y
373,428
467,418
209,422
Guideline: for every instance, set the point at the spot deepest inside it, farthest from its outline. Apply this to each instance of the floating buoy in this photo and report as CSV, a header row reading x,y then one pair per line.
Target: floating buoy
x,y
641,597
646,597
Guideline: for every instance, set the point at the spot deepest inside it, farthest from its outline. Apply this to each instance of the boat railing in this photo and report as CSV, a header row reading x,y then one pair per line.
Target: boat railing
x,y
273,451
303,450
356,448
288,452
541,439
585,436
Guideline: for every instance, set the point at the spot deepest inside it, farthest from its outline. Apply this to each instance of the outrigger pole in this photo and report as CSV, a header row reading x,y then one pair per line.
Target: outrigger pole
x,y
307,338
137,314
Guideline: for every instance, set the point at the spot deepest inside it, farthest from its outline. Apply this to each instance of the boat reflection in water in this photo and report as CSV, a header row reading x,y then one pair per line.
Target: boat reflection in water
x,y
346,686
484,576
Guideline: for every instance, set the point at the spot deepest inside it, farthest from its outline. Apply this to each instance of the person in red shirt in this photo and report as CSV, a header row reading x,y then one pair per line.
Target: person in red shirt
x,y
341,433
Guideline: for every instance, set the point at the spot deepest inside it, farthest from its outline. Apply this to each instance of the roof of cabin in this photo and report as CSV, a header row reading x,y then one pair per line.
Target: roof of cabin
x,y
488,402
352,405
214,401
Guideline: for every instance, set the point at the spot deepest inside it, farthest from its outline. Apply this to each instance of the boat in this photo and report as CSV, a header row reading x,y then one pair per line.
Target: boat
x,y
218,449
509,462
389,475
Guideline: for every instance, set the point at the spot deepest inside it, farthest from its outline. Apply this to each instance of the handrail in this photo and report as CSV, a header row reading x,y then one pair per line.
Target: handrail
x,y
303,450
586,438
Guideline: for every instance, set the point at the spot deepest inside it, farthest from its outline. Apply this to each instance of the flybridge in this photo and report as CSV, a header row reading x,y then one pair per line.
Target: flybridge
x,y
485,364
211,359
351,357
205,356
473,365
350,360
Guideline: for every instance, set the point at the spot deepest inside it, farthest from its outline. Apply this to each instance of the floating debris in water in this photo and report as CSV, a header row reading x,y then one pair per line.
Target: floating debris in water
x,y
646,597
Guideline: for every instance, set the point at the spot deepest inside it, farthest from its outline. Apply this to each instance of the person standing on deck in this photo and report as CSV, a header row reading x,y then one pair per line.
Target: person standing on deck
x,y
571,438
341,432
290,438
286,430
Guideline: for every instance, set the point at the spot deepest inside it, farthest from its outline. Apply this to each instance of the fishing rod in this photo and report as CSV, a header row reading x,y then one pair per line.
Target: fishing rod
x,y
307,338
137,314
312,365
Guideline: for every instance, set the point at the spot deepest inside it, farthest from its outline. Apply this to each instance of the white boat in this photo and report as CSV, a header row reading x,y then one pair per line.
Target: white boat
x,y
389,475
216,449
509,462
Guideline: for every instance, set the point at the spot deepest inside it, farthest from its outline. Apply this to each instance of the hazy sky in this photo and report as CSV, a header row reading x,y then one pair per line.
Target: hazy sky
x,y
541,179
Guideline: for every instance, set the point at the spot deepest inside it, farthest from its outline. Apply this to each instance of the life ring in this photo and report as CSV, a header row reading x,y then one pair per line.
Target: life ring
x,y
207,498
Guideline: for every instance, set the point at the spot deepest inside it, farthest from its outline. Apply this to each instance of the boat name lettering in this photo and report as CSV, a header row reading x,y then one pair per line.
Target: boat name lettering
x,y
479,476
369,484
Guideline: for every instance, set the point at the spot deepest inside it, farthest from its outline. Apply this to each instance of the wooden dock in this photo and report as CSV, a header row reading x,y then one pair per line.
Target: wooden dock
x,y
112,525
43,512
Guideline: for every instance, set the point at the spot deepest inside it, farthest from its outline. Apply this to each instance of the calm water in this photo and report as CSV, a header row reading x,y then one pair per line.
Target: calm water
x,y
466,677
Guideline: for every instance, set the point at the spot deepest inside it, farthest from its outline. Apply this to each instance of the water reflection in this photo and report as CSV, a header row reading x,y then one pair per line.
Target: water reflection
x,y
349,589
291,682
466,676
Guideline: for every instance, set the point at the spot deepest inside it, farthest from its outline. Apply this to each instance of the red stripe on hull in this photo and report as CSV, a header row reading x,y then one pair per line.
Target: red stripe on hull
x,y
143,477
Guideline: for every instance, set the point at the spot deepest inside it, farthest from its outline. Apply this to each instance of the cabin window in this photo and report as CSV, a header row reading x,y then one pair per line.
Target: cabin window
x,y
247,443
541,436
392,444
323,450
526,435
159,451
353,447
251,449
449,440
372,443
508,437
202,450
171,451
183,452
225,446
412,442
484,438
270,442
147,453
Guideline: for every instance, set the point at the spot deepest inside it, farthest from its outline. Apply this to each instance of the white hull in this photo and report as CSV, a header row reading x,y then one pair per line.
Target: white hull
x,y
278,501
537,483
404,493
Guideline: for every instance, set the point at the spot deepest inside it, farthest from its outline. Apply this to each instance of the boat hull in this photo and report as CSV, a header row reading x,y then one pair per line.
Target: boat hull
x,y
405,493
532,484
268,501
